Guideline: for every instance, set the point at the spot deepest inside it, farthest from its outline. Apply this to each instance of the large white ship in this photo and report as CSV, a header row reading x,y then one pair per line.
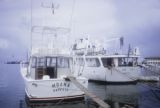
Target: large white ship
x,y
96,64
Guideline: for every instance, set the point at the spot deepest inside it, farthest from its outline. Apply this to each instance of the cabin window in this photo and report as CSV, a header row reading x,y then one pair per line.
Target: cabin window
x,y
130,61
51,62
63,62
48,62
127,61
33,64
92,62
41,62
46,66
107,62
122,62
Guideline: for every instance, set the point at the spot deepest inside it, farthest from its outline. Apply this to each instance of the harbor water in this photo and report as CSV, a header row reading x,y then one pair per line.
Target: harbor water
x,y
140,95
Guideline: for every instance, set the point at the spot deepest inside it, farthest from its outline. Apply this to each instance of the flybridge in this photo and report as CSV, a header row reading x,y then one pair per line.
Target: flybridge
x,y
49,40
84,46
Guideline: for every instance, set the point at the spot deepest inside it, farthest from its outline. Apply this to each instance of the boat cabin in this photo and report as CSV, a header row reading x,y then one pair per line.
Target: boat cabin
x,y
107,61
49,67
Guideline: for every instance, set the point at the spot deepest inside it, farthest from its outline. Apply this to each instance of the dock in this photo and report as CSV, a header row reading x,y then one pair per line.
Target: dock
x,y
96,99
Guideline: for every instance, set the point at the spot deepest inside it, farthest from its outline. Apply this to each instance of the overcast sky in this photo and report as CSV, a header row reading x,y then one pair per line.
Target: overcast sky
x,y
137,20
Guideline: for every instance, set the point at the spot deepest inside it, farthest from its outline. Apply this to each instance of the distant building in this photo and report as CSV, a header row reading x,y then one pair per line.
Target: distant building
x,y
152,61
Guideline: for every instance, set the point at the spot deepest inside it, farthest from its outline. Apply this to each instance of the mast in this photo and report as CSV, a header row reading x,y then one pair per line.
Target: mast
x,y
31,26
129,50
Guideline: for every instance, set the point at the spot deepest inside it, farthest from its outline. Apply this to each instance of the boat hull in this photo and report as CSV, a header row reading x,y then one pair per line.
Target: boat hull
x,y
53,89
54,99
116,75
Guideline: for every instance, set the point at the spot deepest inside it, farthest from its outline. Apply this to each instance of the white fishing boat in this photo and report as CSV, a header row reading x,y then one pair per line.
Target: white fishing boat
x,y
49,65
96,64
46,78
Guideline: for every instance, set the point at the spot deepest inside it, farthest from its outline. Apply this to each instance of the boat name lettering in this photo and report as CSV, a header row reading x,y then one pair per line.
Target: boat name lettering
x,y
60,84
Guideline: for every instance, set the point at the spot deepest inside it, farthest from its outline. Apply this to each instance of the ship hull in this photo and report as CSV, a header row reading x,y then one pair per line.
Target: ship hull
x,y
116,75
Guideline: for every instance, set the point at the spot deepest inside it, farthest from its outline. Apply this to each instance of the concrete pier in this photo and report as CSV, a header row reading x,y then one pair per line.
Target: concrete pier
x,y
100,102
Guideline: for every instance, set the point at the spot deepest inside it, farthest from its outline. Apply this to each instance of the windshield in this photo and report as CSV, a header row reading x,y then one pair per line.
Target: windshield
x,y
63,62
51,61
60,62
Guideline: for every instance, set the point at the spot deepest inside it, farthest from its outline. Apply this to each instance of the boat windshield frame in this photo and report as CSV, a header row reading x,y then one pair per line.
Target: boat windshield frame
x,y
49,61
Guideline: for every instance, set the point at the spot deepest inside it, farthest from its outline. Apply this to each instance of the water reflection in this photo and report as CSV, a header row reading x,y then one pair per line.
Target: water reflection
x,y
149,95
142,95
116,95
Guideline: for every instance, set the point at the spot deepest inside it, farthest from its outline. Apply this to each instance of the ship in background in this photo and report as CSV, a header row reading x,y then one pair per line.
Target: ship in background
x,y
95,63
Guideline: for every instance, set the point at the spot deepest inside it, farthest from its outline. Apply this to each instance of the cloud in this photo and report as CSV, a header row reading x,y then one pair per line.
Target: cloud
x,y
4,44
136,20
91,17
15,22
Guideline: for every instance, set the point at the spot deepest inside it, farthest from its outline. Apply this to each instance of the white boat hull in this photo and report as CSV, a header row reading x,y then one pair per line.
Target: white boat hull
x,y
118,74
52,89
